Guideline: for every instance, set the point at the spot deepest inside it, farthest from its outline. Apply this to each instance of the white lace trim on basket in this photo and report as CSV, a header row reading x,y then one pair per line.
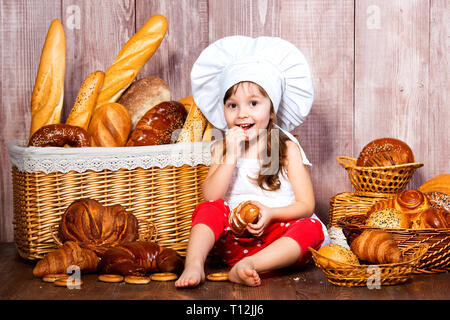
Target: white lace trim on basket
x,y
52,159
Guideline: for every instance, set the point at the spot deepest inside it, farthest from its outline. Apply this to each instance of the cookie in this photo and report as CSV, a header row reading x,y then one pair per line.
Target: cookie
x,y
68,282
218,276
137,280
163,276
52,277
111,278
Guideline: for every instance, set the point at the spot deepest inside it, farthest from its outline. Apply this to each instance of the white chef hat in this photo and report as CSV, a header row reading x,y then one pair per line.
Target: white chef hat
x,y
271,62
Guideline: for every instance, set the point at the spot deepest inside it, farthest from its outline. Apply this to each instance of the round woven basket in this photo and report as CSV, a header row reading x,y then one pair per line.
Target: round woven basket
x,y
437,257
378,181
348,203
352,275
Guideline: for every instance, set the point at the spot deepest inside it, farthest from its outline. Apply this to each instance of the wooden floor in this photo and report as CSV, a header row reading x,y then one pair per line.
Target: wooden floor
x,y
18,283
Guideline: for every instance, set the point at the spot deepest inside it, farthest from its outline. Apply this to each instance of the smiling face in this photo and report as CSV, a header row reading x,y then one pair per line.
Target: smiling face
x,y
247,106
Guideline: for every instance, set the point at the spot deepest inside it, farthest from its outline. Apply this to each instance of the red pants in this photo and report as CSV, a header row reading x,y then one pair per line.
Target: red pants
x,y
306,232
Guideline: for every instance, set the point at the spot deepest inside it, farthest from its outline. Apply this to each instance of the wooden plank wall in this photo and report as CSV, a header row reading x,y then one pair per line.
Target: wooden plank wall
x,y
380,68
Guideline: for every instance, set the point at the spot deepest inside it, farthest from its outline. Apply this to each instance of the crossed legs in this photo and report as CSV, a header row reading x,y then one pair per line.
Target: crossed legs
x,y
281,253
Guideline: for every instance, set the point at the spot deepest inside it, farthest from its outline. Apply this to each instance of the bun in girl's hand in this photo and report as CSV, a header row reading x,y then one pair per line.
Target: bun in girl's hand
x,y
241,216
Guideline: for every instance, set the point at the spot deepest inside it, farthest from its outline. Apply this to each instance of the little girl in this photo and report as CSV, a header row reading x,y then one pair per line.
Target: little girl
x,y
245,86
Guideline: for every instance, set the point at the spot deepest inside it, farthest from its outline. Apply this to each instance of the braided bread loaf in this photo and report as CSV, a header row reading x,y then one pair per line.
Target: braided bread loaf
x,y
97,227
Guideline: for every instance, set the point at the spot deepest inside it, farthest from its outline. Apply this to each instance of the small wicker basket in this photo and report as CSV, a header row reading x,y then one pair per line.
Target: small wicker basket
x,y
160,197
348,203
437,257
378,181
352,275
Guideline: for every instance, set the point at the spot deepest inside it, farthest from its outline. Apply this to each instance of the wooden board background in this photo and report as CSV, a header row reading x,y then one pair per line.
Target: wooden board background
x,y
380,69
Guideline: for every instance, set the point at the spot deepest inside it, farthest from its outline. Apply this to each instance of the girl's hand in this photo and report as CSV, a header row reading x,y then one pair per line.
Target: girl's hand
x,y
235,140
265,217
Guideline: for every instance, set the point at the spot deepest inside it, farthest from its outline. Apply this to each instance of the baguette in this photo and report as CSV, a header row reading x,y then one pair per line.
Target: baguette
x,y
48,93
136,52
207,135
195,123
81,113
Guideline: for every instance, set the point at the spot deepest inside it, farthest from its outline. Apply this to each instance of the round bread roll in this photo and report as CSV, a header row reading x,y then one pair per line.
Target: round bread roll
x,y
158,126
387,218
385,152
337,253
110,126
243,214
439,200
143,95
411,203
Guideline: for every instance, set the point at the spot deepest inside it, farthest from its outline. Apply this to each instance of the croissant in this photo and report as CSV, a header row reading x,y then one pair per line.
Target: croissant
x,y
139,258
377,247
69,254
97,227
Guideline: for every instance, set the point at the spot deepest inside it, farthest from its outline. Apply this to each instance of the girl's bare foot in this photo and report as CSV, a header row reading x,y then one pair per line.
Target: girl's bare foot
x,y
244,272
192,276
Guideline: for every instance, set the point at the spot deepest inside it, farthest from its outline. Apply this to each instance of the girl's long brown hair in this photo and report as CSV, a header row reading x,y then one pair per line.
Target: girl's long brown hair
x,y
268,179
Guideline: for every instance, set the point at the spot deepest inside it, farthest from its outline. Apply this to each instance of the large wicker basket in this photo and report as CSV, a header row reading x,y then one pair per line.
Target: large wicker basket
x,y
378,181
348,203
352,275
159,195
437,257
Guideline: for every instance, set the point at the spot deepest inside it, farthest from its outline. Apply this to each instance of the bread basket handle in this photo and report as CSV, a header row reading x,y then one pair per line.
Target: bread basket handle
x,y
54,232
346,162
151,232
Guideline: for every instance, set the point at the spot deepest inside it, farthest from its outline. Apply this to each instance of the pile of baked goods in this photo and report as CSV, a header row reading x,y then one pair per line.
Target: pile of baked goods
x,y
104,239
410,209
425,207
111,108
422,208
382,230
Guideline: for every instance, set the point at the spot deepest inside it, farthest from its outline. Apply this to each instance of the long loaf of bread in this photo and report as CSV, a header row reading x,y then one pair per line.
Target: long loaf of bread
x,y
207,134
48,93
135,53
81,112
195,123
